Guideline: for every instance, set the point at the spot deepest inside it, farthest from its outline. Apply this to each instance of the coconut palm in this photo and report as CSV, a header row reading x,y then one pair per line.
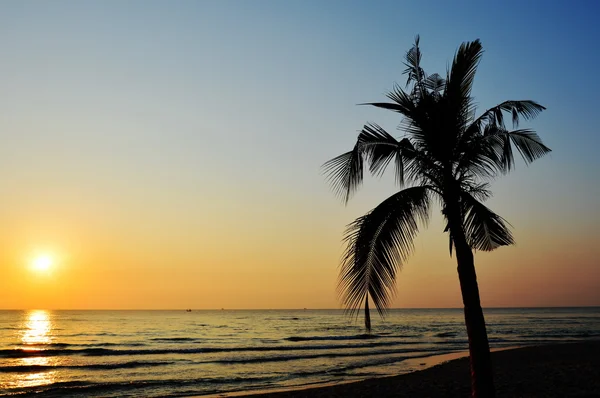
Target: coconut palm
x,y
446,154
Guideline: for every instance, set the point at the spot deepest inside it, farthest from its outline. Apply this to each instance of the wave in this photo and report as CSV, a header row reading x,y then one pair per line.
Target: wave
x,y
87,388
226,361
108,334
566,335
362,341
174,339
379,360
447,334
54,352
286,358
65,345
96,366
326,338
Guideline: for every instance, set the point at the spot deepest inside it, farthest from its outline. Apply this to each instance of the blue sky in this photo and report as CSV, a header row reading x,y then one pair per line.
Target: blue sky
x,y
152,117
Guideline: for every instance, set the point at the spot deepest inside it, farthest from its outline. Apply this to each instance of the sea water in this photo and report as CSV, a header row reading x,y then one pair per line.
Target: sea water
x,y
179,353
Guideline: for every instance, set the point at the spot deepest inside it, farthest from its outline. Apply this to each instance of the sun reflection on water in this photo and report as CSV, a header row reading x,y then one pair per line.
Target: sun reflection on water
x,y
36,332
37,329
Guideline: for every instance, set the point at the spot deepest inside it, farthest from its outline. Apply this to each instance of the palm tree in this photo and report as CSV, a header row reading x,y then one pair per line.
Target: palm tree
x,y
448,154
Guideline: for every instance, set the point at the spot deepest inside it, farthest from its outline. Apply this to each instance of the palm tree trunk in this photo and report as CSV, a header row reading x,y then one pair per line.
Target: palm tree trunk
x,y
482,380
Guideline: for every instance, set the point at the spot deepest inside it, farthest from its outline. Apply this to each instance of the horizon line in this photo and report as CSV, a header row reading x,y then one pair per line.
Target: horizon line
x,y
282,309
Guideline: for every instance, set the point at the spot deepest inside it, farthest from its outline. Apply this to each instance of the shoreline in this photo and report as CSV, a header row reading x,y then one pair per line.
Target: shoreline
x,y
416,364
548,370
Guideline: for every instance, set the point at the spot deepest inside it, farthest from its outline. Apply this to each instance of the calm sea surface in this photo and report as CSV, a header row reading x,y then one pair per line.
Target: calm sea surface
x,y
178,353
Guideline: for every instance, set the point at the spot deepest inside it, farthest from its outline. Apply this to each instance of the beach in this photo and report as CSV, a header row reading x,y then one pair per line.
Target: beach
x,y
555,370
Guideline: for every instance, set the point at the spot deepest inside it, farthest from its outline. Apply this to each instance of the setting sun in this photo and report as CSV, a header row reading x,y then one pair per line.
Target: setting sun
x,y
42,263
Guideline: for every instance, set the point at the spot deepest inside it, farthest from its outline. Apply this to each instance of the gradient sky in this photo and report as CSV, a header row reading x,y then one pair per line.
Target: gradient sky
x,y
167,154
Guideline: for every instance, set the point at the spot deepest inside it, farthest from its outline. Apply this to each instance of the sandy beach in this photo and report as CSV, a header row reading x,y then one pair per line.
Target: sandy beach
x,y
557,370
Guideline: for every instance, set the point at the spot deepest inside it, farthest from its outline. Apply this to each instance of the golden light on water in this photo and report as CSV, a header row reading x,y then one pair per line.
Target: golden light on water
x,y
34,379
37,328
36,331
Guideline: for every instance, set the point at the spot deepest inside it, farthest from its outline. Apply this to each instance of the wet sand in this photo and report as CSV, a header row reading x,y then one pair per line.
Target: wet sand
x,y
558,370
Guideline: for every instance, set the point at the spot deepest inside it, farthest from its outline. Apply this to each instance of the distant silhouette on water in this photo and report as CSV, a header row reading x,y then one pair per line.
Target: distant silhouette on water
x,y
448,156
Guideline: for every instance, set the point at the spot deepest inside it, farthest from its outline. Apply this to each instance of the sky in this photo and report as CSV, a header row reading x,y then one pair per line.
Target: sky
x,y
167,154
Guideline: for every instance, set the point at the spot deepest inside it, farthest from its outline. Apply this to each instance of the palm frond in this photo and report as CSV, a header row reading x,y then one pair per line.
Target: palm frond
x,y
485,230
413,65
491,152
401,97
435,83
499,143
387,105
380,148
480,191
403,102
480,159
462,71
345,173
377,244
527,142
526,109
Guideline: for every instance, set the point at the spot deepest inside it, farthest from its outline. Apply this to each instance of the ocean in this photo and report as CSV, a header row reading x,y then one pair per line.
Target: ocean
x,y
179,353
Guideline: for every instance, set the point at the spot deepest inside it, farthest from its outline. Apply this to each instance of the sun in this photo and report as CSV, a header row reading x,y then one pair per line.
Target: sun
x,y
42,263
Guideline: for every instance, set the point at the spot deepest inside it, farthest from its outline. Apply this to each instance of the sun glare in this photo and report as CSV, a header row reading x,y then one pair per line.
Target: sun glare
x,y
42,263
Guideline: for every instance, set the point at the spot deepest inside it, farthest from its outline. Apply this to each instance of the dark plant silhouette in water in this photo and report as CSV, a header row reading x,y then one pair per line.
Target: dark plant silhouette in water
x,y
447,154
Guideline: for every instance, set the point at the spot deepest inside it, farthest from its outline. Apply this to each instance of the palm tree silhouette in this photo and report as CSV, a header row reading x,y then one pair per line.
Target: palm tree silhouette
x,y
446,154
